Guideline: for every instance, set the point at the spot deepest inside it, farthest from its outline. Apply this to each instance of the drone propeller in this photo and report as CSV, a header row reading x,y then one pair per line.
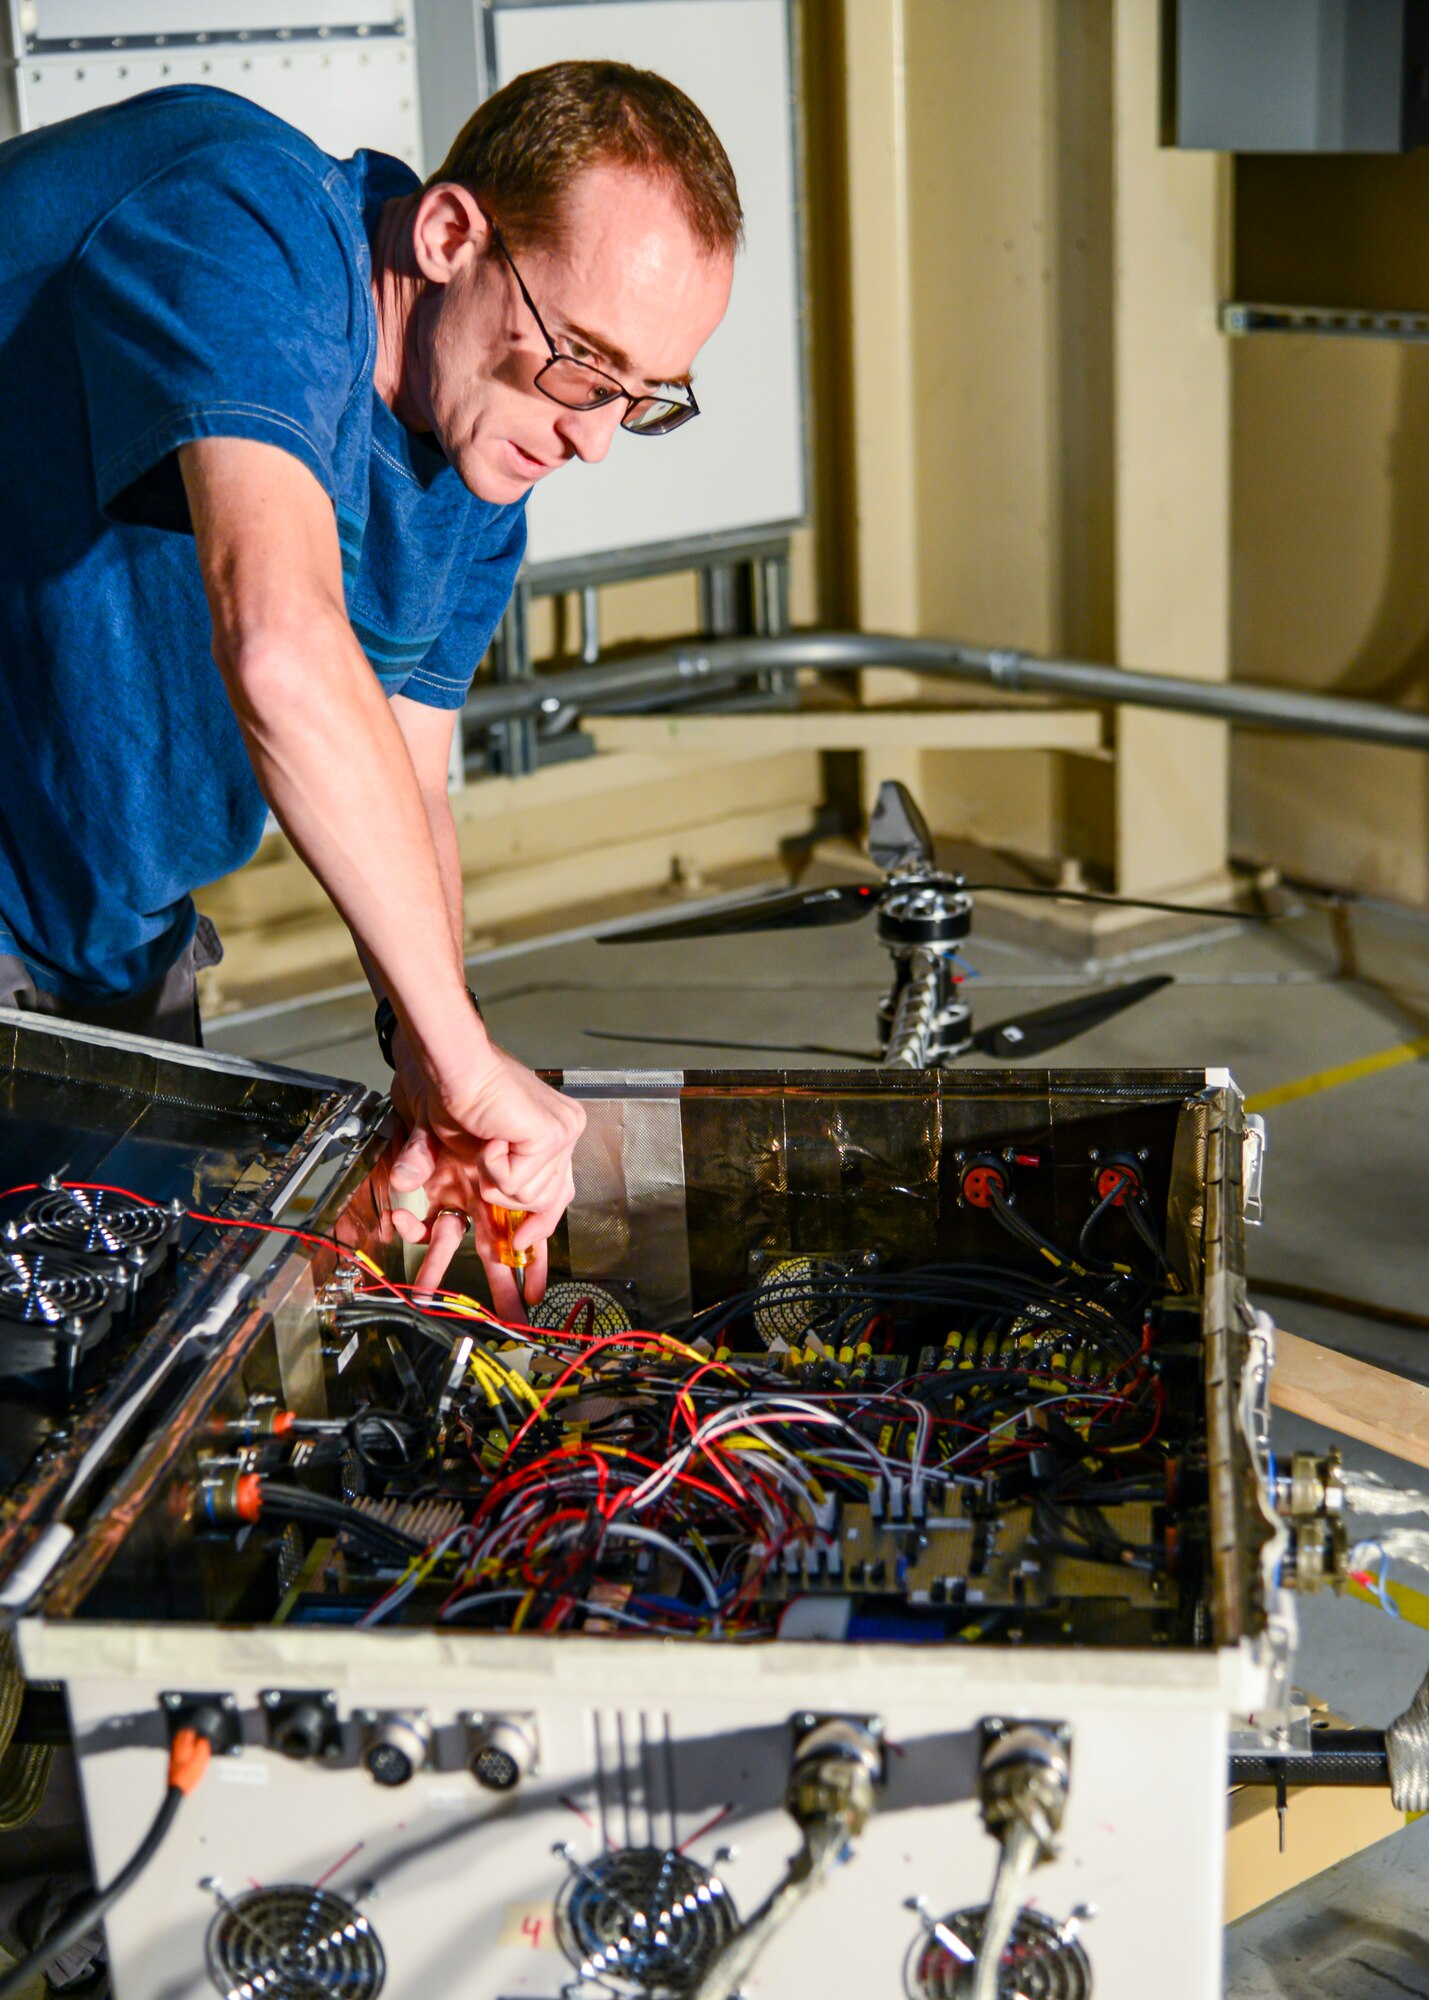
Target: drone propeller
x,y
758,1048
1047,1028
788,910
846,902
1118,902
1034,1034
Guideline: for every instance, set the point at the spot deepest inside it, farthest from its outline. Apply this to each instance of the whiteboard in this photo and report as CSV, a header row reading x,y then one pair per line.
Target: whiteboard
x,y
740,467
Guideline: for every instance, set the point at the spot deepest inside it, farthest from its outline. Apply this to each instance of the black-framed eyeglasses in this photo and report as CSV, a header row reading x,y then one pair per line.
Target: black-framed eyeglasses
x,y
579,386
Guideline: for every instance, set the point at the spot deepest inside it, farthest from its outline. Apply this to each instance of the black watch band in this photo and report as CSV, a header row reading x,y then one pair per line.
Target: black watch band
x,y
385,1022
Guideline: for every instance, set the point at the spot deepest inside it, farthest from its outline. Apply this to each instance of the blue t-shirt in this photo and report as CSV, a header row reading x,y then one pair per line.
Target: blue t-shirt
x,y
176,267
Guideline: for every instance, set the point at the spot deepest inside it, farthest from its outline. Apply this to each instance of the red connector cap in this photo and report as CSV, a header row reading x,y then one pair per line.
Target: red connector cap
x,y
981,1179
1120,1175
189,1755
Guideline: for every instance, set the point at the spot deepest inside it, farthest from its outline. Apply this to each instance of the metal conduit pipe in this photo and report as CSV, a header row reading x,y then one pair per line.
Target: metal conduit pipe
x,y
715,662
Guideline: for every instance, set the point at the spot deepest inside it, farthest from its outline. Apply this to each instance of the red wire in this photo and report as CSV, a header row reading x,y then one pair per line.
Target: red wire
x,y
214,1221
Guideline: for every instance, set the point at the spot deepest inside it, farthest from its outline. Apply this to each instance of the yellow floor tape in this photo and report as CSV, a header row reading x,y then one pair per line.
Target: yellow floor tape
x,y
1350,1072
1412,1605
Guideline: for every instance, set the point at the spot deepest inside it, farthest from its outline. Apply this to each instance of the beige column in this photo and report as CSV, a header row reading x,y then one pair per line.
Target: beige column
x,y
1173,484
882,344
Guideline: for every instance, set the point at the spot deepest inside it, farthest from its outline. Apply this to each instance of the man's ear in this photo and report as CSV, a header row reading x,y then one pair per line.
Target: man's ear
x,y
447,230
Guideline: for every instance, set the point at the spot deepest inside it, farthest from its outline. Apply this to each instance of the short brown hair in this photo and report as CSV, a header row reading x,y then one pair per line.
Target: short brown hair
x,y
523,147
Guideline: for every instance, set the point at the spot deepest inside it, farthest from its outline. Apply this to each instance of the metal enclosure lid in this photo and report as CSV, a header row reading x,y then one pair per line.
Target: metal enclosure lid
x,y
103,1107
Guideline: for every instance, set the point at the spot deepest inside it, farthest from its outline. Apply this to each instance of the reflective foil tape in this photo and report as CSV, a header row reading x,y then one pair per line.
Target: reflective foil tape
x,y
626,1226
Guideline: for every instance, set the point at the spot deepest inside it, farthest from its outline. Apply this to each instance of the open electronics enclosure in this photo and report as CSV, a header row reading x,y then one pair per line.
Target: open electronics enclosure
x,y
682,1743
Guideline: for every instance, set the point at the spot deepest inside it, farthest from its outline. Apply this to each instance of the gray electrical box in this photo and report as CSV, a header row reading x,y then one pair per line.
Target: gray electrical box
x,y
1297,76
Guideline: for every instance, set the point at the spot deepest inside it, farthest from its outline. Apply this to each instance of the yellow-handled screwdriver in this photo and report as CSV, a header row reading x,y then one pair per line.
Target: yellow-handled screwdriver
x,y
507,1222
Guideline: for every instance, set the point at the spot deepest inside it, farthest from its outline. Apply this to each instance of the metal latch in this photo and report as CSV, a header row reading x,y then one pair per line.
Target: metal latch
x,y
1252,1169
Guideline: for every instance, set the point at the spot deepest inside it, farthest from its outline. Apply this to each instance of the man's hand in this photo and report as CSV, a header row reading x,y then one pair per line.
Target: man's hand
x,y
525,1164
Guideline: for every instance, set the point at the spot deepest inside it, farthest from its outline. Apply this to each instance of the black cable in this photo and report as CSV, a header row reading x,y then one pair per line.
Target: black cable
x,y
1108,1200
1141,1222
1312,1295
357,1316
86,1914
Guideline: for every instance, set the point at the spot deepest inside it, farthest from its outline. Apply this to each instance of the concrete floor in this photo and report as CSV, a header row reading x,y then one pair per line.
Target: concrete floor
x,y
1344,1203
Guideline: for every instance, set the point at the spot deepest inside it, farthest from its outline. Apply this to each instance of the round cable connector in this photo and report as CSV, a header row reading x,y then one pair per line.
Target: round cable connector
x,y
502,1752
396,1747
982,1178
1117,1176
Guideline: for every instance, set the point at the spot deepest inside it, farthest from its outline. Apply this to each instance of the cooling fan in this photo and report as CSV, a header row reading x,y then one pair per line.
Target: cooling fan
x,y
53,1310
644,1920
792,1300
129,1235
292,1942
585,1307
1043,1960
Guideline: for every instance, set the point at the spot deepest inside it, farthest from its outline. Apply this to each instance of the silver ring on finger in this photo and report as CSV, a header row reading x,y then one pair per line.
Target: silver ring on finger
x,y
459,1214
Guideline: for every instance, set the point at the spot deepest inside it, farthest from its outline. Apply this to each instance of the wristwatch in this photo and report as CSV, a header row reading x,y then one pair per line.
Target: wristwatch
x,y
385,1022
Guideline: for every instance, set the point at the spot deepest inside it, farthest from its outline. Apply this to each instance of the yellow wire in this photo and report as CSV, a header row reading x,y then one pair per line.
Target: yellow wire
x,y
869,1479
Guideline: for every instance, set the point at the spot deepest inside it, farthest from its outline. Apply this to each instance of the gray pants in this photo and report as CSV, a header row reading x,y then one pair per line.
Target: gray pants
x,y
167,1010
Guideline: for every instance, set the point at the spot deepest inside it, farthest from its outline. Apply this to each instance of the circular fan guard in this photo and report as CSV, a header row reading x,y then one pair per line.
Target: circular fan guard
x,y
644,1920
42,1289
292,1942
1041,1961
606,1315
52,1309
96,1223
788,1315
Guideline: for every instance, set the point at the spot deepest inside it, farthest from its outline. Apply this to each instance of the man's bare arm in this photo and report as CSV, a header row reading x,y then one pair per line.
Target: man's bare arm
x,y
427,733
332,761
324,743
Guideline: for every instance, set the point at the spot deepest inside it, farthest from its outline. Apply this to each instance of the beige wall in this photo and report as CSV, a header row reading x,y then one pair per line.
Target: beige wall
x,y
1032,294
1331,515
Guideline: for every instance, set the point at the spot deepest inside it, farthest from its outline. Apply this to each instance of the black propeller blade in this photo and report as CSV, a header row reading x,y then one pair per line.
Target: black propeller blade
x,y
760,1048
1118,902
1048,1027
789,910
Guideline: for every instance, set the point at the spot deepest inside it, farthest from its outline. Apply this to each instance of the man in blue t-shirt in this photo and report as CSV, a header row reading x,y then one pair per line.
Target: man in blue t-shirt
x,y
268,421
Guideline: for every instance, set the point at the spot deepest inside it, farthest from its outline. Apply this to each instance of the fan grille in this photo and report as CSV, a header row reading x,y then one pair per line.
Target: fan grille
x,y
603,1314
98,1223
292,1942
1041,1961
644,1920
39,1288
786,1307
53,1309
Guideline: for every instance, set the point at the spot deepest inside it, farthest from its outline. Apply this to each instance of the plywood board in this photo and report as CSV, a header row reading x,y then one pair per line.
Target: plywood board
x,y
1351,1397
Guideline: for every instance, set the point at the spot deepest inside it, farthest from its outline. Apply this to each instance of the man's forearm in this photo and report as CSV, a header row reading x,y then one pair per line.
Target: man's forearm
x,y
332,764
447,848
448,854
324,743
